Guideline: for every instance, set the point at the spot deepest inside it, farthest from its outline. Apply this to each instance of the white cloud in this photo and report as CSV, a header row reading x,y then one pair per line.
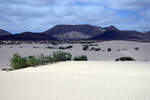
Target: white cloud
x,y
121,4
35,15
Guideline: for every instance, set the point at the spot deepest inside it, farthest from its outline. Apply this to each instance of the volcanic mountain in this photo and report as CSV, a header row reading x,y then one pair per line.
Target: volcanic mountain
x,y
28,36
4,33
81,32
89,32
115,34
65,32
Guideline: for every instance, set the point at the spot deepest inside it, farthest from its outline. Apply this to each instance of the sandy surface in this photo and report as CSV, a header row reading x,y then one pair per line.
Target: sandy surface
x,y
119,49
78,81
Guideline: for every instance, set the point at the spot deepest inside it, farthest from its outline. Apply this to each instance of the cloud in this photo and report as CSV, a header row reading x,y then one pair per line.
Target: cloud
x,y
121,4
40,15
145,14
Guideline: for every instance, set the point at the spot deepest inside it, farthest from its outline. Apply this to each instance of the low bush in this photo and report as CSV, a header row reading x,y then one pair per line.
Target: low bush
x,y
32,61
18,62
95,49
109,49
68,47
54,43
93,44
49,47
136,48
42,60
80,58
36,47
61,56
85,47
125,59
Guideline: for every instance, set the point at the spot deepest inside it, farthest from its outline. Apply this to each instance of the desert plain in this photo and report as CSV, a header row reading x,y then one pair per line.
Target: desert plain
x,y
99,78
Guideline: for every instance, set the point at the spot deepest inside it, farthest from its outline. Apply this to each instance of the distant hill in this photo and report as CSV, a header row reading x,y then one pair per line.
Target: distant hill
x,y
81,32
4,33
89,32
147,33
28,36
115,34
64,32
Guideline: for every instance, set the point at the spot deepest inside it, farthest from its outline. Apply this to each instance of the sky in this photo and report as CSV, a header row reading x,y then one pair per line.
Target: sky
x,y
40,15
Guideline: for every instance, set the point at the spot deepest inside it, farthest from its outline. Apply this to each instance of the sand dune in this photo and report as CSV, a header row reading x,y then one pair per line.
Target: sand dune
x,y
119,49
90,80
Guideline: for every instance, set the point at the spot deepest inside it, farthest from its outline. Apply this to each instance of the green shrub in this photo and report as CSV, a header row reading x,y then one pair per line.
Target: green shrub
x,y
32,61
85,47
125,59
50,47
62,47
109,49
61,56
18,62
80,58
42,60
68,47
136,48
95,49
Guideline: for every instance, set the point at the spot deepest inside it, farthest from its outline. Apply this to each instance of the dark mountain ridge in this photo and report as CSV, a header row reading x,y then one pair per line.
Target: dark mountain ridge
x,y
81,32
111,34
86,29
4,33
28,36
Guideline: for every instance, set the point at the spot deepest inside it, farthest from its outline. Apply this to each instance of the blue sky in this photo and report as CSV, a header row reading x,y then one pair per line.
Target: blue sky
x,y
39,15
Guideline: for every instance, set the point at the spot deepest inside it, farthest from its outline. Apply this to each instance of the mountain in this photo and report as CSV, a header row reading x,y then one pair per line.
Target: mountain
x,y
112,33
4,33
81,32
63,32
147,33
28,36
89,32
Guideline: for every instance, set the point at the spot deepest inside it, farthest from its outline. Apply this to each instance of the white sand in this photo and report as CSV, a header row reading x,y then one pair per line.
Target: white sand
x,y
78,81
126,49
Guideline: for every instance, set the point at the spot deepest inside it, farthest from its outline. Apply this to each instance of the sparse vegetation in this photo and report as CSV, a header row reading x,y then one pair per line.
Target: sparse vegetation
x,y
109,49
32,61
90,47
61,56
85,47
54,43
95,49
36,47
18,62
136,48
80,58
50,47
93,45
125,59
61,47
68,47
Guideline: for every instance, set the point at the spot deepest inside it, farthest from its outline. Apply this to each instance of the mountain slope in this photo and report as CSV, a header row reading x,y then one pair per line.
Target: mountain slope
x,y
28,36
83,31
89,32
4,33
113,34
